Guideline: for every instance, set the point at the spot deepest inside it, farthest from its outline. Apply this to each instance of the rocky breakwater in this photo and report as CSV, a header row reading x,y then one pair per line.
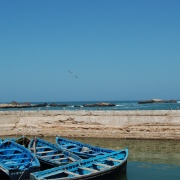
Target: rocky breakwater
x,y
157,101
102,104
15,104
58,105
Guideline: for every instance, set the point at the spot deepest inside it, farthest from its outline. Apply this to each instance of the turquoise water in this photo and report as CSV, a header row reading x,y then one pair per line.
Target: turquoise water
x,y
149,171
119,105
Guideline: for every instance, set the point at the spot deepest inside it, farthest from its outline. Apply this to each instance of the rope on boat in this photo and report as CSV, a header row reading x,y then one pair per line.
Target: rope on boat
x,y
26,169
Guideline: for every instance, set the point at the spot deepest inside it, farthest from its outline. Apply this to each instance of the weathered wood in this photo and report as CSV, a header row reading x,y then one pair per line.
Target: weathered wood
x,y
103,165
115,160
71,173
88,169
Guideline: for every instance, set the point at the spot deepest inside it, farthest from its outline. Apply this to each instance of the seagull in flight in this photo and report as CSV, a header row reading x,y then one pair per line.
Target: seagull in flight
x,y
73,74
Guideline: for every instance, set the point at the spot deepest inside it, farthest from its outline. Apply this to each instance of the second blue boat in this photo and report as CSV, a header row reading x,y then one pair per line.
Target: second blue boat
x,y
83,150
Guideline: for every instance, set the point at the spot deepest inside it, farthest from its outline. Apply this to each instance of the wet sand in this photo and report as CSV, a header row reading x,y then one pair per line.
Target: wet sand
x,y
156,124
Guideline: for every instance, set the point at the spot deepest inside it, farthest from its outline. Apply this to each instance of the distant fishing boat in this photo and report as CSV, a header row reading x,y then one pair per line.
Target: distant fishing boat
x,y
16,161
104,167
83,150
50,155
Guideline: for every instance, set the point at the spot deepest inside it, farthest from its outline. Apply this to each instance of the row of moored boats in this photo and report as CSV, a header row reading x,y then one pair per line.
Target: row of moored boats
x,y
38,159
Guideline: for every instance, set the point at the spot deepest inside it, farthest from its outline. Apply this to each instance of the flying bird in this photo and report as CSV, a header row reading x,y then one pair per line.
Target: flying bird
x,y
73,74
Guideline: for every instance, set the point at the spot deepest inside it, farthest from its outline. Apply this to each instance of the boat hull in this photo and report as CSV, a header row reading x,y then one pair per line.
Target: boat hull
x,y
23,175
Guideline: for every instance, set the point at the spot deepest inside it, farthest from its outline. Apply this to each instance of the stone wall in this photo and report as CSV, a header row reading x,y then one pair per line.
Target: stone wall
x,y
106,124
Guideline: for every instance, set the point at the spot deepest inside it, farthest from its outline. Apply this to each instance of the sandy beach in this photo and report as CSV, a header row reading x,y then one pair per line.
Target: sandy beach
x,y
160,124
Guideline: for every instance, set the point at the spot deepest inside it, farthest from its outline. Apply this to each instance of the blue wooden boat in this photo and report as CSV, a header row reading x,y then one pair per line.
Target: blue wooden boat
x,y
85,151
50,155
105,167
16,161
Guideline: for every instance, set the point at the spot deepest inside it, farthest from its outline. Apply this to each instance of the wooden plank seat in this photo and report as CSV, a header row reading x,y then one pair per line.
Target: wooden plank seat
x,y
72,159
75,149
68,146
88,169
88,151
44,152
71,173
39,147
103,165
51,155
115,160
60,159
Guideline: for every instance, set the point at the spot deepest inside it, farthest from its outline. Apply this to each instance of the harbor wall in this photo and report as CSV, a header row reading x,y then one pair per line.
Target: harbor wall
x,y
151,124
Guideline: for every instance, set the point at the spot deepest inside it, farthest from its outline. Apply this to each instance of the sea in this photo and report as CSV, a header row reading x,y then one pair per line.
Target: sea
x,y
119,106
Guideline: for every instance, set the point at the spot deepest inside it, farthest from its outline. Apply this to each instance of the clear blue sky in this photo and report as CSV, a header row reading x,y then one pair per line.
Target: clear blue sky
x,y
119,49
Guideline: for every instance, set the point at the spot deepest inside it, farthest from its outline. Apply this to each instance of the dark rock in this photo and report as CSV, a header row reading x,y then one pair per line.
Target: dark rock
x,y
102,104
170,101
157,101
22,105
58,105
40,105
